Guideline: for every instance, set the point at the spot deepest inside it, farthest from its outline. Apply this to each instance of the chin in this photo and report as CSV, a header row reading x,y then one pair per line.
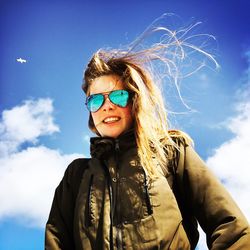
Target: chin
x,y
112,134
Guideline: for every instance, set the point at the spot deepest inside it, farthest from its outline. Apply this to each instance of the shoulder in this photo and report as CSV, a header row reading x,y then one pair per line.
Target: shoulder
x,y
180,149
79,162
76,168
180,138
177,143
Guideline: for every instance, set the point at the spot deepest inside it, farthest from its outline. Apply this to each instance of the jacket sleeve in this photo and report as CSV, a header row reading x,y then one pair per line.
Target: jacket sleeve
x,y
217,213
59,227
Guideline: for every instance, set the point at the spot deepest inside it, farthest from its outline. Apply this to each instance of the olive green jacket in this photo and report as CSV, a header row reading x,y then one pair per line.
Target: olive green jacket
x,y
108,202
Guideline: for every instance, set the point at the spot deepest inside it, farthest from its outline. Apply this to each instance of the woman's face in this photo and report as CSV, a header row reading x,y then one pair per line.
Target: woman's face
x,y
110,120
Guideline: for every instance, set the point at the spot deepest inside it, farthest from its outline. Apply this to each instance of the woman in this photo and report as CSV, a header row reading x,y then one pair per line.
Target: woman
x,y
144,186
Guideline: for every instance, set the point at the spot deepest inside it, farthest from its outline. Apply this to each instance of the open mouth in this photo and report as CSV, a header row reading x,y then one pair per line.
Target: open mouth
x,y
111,119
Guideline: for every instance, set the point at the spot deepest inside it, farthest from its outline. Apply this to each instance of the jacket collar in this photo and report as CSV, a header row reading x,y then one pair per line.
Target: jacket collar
x,y
105,146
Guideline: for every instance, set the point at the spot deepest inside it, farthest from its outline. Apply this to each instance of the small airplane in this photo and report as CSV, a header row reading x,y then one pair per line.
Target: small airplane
x,y
21,60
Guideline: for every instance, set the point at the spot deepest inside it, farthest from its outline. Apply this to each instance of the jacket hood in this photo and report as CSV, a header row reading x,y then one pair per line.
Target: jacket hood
x,y
104,146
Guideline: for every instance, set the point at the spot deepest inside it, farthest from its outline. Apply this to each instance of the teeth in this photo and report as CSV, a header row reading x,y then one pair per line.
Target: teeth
x,y
111,119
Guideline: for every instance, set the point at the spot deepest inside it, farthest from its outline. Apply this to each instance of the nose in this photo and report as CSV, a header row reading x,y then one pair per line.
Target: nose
x,y
107,105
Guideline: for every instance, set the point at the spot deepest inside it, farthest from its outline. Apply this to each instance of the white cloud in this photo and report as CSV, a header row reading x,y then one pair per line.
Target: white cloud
x,y
28,177
26,123
27,183
231,160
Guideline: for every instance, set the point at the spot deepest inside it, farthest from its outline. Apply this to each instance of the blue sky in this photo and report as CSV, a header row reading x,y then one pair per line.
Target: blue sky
x,y
43,122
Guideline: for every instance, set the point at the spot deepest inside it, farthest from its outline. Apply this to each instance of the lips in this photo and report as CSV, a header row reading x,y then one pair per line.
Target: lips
x,y
111,119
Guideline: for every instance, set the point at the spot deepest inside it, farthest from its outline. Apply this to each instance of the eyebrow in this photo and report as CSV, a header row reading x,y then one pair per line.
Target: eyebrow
x,y
107,92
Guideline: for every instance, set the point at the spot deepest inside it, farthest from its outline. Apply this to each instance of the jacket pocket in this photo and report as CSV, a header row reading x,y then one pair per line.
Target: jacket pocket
x,y
141,234
146,229
180,240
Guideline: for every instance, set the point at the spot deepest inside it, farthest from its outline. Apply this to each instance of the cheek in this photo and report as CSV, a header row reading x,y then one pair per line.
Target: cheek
x,y
95,117
128,114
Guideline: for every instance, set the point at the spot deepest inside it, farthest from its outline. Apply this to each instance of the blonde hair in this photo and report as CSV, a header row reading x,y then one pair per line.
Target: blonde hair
x,y
134,67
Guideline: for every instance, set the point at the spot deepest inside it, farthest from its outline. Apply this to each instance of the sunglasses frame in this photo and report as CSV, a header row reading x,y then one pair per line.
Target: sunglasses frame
x,y
104,94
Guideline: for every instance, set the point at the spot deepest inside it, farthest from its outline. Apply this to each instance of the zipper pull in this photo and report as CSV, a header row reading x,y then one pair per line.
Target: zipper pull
x,y
117,147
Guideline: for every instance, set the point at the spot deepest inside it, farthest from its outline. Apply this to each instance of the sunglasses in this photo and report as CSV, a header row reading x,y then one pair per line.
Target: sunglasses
x,y
118,97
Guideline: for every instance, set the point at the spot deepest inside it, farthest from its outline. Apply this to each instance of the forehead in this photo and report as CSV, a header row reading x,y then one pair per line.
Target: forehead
x,y
105,83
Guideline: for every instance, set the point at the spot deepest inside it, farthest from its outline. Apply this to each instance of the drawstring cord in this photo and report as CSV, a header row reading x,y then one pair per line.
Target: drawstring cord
x,y
110,190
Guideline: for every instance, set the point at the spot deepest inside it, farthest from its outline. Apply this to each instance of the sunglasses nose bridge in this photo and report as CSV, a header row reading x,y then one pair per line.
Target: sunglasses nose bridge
x,y
106,97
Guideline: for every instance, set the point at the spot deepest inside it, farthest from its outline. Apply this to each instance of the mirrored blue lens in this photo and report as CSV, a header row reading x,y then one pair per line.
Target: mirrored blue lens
x,y
94,102
119,97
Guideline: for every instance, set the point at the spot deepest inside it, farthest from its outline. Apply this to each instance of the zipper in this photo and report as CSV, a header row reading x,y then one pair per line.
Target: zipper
x,y
117,147
110,190
117,176
119,242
